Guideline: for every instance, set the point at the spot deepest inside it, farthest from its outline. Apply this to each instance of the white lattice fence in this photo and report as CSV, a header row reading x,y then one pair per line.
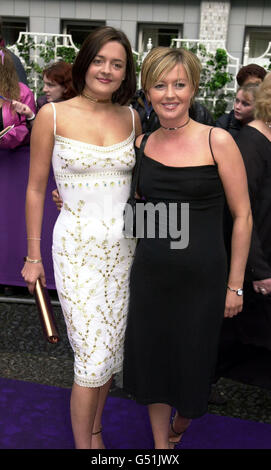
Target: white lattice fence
x,y
37,45
211,46
264,60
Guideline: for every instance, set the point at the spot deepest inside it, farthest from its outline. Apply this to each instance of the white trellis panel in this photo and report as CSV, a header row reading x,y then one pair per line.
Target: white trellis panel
x,y
211,46
39,41
263,60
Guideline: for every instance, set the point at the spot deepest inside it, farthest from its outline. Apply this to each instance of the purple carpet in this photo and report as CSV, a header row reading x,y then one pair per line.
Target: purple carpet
x,y
34,416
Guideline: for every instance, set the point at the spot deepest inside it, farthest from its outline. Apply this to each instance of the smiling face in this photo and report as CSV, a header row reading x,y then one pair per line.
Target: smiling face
x,y
171,96
107,71
244,106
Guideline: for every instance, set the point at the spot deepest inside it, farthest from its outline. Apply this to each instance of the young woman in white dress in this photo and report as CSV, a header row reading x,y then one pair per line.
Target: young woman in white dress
x,y
90,142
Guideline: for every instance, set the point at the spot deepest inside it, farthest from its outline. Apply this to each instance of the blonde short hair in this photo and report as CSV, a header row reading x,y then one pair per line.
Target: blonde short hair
x,y
249,89
263,100
161,60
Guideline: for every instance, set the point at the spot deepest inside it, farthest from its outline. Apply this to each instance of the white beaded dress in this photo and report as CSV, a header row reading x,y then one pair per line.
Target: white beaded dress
x,y
91,257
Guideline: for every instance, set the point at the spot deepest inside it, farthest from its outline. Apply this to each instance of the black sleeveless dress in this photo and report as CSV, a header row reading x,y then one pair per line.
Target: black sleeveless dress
x,y
177,296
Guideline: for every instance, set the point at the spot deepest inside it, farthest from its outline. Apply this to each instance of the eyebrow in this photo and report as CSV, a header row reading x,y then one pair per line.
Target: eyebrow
x,y
103,57
179,79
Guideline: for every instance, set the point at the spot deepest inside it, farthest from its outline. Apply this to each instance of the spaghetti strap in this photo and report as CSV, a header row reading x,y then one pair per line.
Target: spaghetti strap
x,y
54,108
212,153
133,117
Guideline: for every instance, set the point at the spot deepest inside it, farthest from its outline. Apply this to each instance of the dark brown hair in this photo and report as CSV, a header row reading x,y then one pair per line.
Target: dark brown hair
x,y
249,70
61,73
90,48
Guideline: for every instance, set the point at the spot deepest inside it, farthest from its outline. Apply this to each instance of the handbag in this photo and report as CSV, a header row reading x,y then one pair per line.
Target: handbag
x,y
130,230
44,307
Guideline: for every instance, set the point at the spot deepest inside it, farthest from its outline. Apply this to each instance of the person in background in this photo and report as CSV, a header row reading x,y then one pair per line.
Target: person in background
x,y
249,78
254,142
242,112
17,63
57,83
14,92
251,73
57,79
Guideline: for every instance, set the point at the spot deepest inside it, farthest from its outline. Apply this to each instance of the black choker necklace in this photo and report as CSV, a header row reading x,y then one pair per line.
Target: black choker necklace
x,y
95,100
175,128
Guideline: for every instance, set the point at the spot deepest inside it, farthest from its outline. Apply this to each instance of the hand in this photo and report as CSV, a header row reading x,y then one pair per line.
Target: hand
x,y
57,199
263,286
22,108
31,272
233,304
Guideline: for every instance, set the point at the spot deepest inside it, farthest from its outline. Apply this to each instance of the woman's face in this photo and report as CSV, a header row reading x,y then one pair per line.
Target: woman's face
x,y
53,90
171,96
107,71
244,107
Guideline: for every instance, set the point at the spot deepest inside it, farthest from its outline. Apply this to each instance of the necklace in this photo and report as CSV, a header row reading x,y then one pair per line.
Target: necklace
x,y
175,128
95,100
268,124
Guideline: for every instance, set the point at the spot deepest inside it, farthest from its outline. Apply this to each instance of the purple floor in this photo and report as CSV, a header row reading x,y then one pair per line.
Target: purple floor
x,y
34,416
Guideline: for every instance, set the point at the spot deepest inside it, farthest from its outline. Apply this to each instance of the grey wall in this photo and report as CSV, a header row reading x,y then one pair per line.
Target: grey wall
x,y
45,15
246,13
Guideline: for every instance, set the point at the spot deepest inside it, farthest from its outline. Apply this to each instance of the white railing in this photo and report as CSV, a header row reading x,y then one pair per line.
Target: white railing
x,y
233,65
211,46
263,60
41,42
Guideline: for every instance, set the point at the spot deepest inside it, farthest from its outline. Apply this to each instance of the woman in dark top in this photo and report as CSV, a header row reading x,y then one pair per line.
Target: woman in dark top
x,y
254,142
242,112
178,292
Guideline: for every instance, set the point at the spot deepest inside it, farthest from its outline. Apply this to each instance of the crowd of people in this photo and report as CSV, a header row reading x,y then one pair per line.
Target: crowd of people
x,y
139,306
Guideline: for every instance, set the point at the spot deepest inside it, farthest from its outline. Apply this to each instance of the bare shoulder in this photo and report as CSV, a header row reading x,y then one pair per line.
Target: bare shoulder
x,y
122,110
139,140
221,137
125,112
45,111
225,149
65,105
138,126
44,121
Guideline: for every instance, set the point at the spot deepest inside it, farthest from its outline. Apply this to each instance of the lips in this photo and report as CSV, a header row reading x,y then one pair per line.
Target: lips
x,y
104,80
170,106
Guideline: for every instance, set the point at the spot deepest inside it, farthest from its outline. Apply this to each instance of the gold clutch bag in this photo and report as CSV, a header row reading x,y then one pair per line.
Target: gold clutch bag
x,y
45,309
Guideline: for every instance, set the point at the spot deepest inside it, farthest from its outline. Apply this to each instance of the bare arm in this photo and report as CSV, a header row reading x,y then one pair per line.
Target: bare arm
x,y
138,127
233,176
42,141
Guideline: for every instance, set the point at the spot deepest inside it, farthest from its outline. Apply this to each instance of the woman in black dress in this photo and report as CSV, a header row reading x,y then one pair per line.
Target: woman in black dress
x,y
254,141
242,112
178,297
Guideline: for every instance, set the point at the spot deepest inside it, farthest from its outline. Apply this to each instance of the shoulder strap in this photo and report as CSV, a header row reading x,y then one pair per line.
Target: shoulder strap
x,y
133,117
212,153
54,108
138,164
